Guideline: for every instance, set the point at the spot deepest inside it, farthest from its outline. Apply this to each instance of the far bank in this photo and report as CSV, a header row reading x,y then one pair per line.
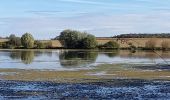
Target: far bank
x,y
123,42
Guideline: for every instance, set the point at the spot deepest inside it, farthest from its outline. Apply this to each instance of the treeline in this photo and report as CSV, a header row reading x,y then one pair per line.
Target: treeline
x,y
144,35
70,39
25,42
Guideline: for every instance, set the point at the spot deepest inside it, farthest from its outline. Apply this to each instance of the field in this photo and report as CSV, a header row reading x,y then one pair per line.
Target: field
x,y
138,42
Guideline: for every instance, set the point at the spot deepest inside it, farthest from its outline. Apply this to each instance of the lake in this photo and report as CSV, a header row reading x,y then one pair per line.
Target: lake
x,y
88,74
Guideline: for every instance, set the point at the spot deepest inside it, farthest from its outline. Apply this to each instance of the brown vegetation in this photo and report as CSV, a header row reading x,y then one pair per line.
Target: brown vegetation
x,y
165,45
151,44
124,43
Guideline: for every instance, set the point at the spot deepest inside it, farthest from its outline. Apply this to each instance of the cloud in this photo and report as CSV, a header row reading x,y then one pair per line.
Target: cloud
x,y
49,13
99,17
98,25
83,2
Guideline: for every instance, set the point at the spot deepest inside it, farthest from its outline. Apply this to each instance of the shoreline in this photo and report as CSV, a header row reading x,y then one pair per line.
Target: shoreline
x,y
122,49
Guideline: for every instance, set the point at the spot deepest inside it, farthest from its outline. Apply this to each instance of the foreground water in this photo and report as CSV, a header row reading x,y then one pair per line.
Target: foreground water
x,y
88,74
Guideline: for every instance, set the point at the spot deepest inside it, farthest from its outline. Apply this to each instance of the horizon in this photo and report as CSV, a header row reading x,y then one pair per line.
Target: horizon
x,y
46,19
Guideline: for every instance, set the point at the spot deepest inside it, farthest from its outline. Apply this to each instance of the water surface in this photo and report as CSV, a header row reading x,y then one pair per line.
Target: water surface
x,y
92,74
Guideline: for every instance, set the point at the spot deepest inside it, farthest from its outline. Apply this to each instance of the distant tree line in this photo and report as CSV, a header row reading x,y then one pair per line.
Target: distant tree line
x,y
143,35
25,42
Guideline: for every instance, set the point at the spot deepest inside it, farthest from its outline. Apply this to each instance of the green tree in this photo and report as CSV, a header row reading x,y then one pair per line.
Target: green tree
x,y
71,38
89,42
14,41
27,40
76,39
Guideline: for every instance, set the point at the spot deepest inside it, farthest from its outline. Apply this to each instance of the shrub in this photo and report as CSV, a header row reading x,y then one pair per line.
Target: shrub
x,y
89,42
111,45
27,41
8,46
43,45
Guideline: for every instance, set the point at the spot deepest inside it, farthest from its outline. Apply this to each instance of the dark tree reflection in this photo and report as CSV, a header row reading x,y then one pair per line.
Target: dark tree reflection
x,y
27,57
77,58
15,55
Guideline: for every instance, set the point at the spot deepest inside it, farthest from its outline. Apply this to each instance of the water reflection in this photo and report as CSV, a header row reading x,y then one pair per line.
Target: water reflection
x,y
70,59
27,57
77,58
15,55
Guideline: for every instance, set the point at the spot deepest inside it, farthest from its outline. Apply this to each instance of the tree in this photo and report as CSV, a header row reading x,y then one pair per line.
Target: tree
x,y
27,41
75,39
14,41
89,42
69,38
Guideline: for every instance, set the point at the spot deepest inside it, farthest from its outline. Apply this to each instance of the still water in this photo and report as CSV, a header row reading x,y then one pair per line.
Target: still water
x,y
97,74
80,64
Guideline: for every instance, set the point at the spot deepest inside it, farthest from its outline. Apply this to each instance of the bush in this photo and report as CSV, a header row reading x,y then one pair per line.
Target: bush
x,y
27,41
89,42
111,45
43,45
8,46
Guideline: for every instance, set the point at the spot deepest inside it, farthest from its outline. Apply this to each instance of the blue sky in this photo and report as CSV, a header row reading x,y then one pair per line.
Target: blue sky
x,y
47,18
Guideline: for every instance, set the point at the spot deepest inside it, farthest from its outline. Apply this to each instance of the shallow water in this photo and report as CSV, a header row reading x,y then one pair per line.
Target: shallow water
x,y
83,70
